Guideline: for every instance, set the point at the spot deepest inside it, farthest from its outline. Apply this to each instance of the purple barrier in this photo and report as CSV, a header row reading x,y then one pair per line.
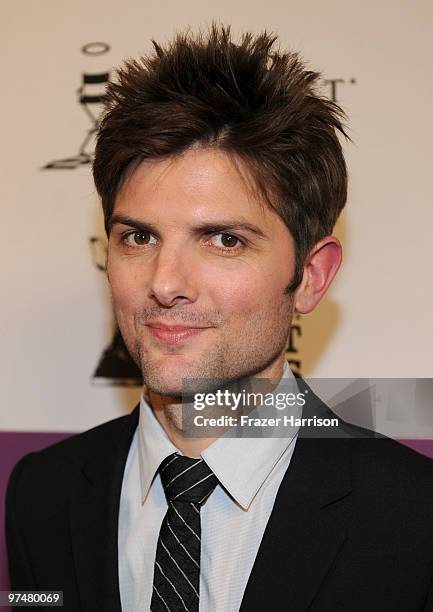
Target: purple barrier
x,y
16,444
425,447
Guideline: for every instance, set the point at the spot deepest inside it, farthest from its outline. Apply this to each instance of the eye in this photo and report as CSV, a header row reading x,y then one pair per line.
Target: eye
x,y
226,241
138,238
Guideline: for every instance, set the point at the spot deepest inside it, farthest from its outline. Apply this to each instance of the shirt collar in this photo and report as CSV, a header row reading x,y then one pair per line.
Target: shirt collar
x,y
241,465
153,446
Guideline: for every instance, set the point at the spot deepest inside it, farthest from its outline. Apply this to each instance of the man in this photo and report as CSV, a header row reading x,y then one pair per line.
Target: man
x,y
221,177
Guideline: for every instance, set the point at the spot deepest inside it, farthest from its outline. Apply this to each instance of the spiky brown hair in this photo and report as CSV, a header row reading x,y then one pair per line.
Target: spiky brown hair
x,y
249,99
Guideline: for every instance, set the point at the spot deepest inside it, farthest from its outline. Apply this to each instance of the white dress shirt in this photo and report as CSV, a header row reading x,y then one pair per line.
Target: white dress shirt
x,y
233,518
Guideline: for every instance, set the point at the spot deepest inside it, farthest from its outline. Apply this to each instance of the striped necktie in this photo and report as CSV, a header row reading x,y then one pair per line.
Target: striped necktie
x,y
187,484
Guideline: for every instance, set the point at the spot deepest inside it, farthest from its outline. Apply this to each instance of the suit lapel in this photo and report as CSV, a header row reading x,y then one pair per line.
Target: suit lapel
x,y
306,528
94,521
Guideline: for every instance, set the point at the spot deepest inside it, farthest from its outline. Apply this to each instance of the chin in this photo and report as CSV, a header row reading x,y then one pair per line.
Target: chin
x,y
173,385
163,379
165,391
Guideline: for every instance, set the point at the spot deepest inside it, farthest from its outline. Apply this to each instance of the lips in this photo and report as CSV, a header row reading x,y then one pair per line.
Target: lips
x,y
173,328
173,334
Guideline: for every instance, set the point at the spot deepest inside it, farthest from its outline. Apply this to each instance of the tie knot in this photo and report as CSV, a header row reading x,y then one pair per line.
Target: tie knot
x,y
187,479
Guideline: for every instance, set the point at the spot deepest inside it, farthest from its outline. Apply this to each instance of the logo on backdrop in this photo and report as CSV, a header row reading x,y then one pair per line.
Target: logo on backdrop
x,y
115,365
90,96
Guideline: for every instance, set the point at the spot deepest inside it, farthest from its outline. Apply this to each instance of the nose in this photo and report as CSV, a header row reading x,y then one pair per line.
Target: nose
x,y
173,279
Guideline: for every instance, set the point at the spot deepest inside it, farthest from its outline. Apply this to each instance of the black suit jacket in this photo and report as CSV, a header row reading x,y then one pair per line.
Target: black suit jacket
x,y
351,528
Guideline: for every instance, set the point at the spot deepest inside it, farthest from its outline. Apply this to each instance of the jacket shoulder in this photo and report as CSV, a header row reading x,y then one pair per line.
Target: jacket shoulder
x,y
384,465
80,446
55,469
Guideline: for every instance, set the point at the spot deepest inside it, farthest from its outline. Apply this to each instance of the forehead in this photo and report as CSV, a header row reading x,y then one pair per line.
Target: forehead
x,y
200,182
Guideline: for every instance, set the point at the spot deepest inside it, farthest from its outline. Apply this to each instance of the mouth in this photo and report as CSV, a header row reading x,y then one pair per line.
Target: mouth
x,y
173,334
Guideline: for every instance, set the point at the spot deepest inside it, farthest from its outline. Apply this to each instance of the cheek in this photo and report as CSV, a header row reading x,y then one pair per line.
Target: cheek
x,y
125,288
242,296
253,297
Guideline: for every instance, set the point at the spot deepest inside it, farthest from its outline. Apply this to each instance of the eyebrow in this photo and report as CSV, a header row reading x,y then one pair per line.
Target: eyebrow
x,y
201,228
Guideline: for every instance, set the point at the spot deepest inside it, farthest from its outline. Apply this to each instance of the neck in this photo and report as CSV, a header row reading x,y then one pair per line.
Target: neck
x,y
168,411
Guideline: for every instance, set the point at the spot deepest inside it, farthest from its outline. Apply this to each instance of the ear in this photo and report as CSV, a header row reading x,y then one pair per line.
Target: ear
x,y
319,270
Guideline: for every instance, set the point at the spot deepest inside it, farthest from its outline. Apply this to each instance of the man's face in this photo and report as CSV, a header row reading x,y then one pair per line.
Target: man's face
x,y
191,245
